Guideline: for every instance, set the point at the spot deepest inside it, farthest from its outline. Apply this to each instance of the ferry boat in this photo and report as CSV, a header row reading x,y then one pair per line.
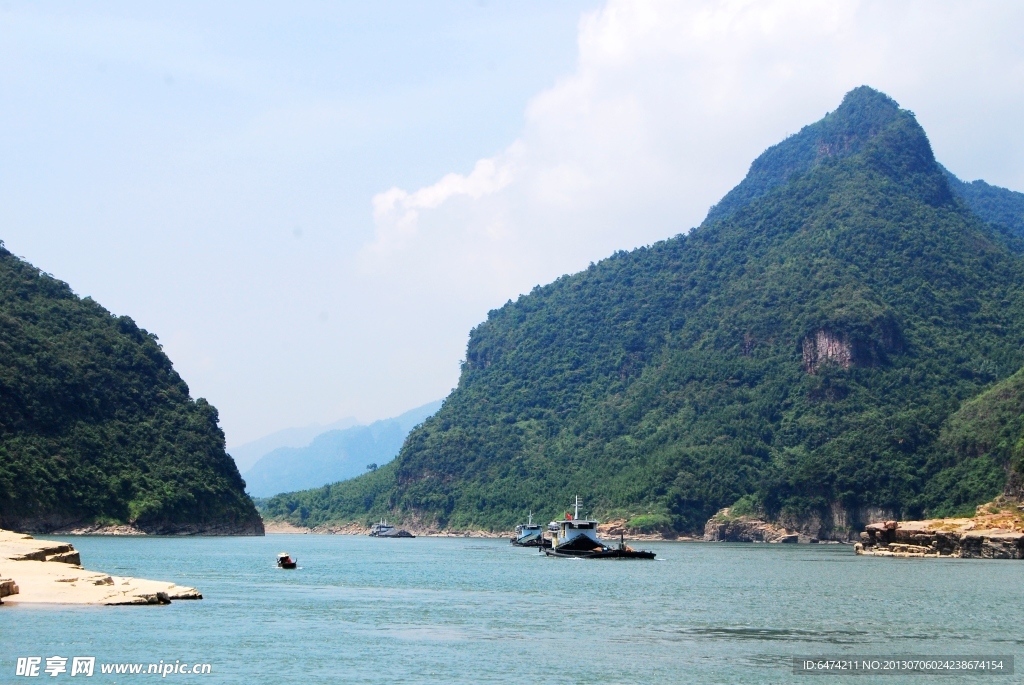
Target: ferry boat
x,y
530,534
384,530
576,537
379,529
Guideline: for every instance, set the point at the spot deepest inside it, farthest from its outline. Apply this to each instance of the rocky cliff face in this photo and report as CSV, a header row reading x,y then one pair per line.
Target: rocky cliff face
x,y
840,525
725,527
824,347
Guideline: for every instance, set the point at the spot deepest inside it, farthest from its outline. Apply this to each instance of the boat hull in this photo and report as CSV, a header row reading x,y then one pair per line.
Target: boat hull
x,y
600,554
532,542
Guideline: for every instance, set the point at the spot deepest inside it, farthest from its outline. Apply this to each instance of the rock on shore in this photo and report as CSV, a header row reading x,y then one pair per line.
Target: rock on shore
x,y
996,532
40,571
725,527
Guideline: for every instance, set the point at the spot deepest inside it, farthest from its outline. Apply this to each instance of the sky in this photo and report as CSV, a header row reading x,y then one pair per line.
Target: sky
x,y
312,204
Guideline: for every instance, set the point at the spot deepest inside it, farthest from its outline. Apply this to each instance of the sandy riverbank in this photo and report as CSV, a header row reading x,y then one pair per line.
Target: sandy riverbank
x,y
41,571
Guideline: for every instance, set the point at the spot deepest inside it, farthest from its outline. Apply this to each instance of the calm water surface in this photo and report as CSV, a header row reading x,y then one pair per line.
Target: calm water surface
x,y
364,610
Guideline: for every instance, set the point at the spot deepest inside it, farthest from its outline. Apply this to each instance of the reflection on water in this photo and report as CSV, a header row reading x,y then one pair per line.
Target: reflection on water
x,y
427,610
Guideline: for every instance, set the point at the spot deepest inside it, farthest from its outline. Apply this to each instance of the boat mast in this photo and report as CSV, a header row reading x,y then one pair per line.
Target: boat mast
x,y
576,512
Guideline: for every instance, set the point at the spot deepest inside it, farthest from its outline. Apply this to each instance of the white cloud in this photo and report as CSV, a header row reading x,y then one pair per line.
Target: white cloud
x,y
669,104
396,212
228,206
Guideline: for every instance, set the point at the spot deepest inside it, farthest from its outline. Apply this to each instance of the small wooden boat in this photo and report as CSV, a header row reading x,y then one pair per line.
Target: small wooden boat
x,y
284,560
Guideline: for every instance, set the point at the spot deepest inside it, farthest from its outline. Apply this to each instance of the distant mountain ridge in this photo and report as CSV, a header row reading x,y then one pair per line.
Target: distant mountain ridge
x,y
247,454
1000,207
334,455
799,354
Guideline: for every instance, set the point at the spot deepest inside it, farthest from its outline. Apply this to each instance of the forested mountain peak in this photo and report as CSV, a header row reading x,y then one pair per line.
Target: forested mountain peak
x,y
798,353
96,426
864,115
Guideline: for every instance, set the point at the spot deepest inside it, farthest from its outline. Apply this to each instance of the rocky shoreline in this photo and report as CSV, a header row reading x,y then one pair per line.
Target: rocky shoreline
x,y
611,529
726,527
995,532
182,530
44,572
60,525
281,527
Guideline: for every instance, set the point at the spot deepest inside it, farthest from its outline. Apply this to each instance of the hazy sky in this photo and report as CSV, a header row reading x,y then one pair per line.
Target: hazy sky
x,y
313,203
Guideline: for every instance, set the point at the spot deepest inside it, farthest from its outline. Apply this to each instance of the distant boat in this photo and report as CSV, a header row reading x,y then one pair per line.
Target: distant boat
x,y
576,537
284,560
384,530
530,534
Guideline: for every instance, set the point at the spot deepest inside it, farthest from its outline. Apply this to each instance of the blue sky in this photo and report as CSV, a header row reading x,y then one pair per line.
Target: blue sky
x,y
313,204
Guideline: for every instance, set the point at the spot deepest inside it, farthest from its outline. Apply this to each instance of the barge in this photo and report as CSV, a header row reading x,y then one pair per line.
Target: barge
x,y
577,538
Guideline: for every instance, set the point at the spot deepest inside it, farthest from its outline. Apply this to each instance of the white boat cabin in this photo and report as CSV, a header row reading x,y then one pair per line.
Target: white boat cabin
x,y
526,532
572,527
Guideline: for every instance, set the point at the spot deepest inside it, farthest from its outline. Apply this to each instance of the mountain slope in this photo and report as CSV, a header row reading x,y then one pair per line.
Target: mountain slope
x,y
334,455
801,349
95,424
999,206
979,446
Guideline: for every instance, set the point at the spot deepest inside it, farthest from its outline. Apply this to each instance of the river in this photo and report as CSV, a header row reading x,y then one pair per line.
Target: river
x,y
436,610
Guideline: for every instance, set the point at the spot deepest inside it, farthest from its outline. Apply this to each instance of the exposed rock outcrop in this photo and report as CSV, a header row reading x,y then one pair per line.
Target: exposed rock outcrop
x,y
7,588
835,525
42,550
826,346
725,527
997,532
39,571
863,344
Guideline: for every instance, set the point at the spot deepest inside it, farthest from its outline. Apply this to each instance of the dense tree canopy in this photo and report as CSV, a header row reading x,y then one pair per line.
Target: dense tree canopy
x,y
95,424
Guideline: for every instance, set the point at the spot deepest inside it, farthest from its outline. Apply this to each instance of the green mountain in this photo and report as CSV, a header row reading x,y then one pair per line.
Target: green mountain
x,y
978,446
97,427
800,352
334,455
1002,208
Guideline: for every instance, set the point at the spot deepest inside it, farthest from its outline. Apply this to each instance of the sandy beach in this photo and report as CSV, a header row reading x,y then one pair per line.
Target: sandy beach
x,y
47,572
